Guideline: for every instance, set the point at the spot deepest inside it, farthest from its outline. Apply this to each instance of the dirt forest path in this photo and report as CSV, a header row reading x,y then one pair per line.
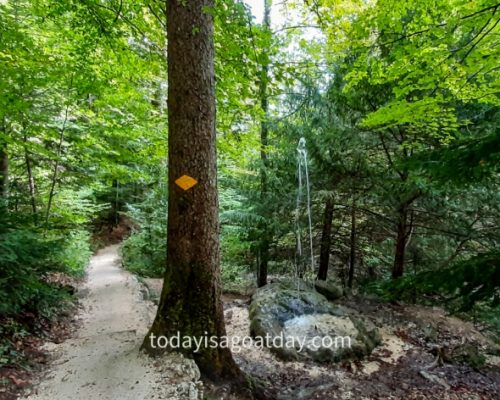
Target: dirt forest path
x,y
102,360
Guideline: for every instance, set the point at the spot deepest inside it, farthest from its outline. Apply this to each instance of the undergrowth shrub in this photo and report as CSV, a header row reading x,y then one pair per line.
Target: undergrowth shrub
x,y
26,255
144,251
27,296
75,252
460,285
470,287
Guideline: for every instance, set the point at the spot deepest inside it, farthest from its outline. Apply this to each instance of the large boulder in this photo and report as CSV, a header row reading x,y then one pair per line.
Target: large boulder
x,y
298,323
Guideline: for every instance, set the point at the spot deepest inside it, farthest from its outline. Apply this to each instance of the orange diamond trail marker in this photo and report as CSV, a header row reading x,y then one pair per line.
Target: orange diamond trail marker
x,y
185,182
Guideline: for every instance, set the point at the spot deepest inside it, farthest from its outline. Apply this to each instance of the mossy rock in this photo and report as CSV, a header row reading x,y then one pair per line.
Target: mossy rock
x,y
293,309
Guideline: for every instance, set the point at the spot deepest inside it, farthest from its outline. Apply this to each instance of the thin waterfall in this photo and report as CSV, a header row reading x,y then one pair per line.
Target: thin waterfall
x,y
302,168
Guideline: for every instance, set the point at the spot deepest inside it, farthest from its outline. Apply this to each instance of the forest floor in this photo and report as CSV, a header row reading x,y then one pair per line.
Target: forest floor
x,y
102,359
402,367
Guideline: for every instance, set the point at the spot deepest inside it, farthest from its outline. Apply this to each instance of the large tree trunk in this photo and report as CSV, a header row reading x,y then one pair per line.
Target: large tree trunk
x,y
264,141
324,256
190,302
352,258
401,234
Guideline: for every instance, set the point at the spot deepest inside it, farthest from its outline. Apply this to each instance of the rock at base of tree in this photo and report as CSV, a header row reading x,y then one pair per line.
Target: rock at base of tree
x,y
299,323
180,376
329,289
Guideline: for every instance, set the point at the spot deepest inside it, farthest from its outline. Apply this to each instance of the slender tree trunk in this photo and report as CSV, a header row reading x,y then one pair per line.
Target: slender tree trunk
x,y
264,141
31,183
190,303
326,236
56,167
113,217
263,261
4,172
352,258
4,166
32,188
401,234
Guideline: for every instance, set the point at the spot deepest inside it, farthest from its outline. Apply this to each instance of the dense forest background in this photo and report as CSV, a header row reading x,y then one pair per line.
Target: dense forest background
x,y
397,101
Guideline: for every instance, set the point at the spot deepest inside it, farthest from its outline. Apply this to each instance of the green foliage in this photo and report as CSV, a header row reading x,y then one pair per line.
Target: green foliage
x,y
81,112
23,256
74,207
235,279
490,316
74,253
398,102
26,256
439,60
144,251
462,285
10,329
466,160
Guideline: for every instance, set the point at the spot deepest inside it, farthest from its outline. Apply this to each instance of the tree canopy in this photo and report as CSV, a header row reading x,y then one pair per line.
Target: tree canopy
x,y
398,102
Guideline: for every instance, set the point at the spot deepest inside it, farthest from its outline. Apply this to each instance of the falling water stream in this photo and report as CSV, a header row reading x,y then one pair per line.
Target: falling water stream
x,y
303,171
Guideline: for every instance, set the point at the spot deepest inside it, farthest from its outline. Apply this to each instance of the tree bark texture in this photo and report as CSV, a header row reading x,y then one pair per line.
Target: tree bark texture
x,y
4,171
326,236
352,257
190,301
